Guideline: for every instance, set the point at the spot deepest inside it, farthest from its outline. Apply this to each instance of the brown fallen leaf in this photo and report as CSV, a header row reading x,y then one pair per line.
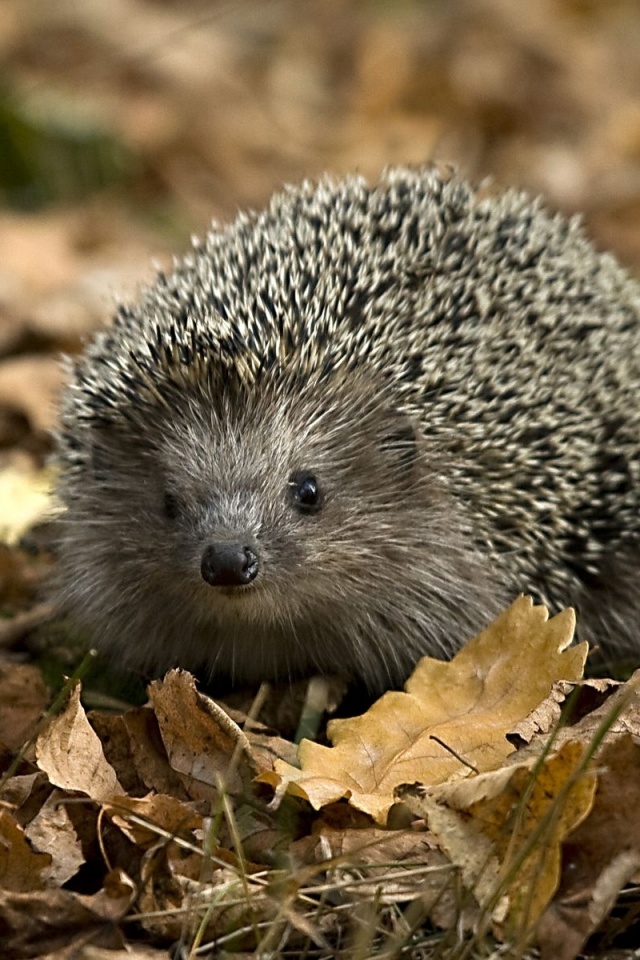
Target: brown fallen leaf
x,y
22,791
619,712
599,857
391,865
503,829
148,819
455,716
587,694
21,868
174,898
266,745
39,922
268,748
70,753
134,748
52,832
199,736
53,232
31,384
23,698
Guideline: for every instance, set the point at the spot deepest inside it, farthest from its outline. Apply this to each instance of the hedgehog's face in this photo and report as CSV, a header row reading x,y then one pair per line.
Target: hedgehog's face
x,y
272,536
283,506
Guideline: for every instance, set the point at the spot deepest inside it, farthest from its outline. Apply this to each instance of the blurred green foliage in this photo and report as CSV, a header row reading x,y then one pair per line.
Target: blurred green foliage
x,y
58,649
55,153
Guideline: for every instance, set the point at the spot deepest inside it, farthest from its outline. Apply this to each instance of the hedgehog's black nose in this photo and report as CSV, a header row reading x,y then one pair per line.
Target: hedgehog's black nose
x,y
229,565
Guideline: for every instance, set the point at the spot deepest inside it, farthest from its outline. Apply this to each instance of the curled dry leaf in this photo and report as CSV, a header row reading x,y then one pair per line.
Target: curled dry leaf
x,y
266,745
545,716
70,753
199,736
149,755
27,788
619,713
116,896
149,819
454,717
587,694
134,748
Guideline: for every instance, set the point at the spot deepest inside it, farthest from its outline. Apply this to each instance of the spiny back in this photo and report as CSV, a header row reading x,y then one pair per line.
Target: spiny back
x,y
505,347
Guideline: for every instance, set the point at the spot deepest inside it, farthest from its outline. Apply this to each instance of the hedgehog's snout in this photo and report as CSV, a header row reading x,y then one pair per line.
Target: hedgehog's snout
x,y
229,565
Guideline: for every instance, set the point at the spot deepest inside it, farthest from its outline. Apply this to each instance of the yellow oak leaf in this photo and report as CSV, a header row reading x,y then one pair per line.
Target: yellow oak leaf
x,y
453,719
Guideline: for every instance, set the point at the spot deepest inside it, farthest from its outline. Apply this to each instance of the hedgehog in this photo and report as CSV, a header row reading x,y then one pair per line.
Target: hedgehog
x,y
346,431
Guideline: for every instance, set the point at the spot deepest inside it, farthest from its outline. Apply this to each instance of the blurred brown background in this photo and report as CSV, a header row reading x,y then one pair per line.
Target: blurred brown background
x,y
126,125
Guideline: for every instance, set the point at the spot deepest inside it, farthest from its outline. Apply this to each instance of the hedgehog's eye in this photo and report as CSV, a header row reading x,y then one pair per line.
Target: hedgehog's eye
x,y
171,507
305,492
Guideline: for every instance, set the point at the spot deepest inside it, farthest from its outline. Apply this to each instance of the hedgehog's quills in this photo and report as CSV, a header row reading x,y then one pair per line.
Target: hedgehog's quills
x,y
345,432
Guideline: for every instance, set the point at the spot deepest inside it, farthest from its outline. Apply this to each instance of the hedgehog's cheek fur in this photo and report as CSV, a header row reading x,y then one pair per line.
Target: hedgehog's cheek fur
x,y
319,604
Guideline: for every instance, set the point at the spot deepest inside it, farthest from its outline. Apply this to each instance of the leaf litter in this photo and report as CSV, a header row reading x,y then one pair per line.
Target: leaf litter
x,y
431,805
541,95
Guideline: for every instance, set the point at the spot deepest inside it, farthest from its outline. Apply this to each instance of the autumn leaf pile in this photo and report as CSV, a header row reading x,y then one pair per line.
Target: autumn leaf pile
x,y
462,806
455,819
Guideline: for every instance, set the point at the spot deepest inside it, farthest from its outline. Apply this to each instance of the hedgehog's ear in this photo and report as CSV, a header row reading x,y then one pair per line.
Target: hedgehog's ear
x,y
100,456
106,450
399,441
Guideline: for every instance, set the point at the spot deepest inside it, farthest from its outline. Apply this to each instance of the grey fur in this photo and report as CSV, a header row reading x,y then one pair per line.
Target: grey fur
x,y
459,372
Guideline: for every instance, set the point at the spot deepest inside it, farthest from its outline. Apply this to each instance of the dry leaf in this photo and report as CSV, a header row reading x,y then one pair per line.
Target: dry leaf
x,y
134,748
620,713
174,899
31,384
154,817
38,923
23,698
391,866
25,788
469,704
544,95
22,235
587,696
485,823
70,753
52,832
24,499
199,736
21,868
118,747
600,855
